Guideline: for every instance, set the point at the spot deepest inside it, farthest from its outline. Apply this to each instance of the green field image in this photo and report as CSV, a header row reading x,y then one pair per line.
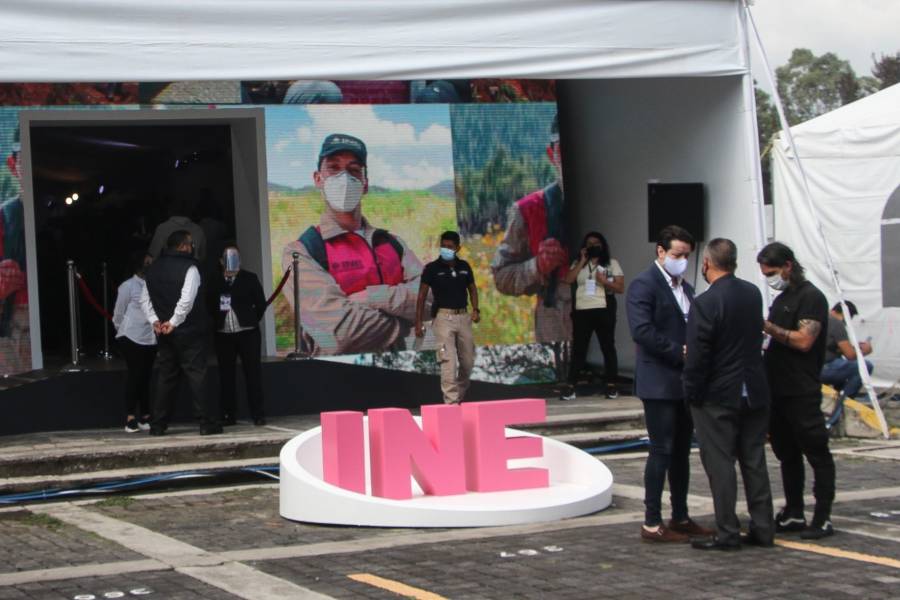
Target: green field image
x,y
417,217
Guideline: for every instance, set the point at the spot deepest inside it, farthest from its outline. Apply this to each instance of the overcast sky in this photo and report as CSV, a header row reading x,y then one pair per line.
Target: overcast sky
x,y
852,29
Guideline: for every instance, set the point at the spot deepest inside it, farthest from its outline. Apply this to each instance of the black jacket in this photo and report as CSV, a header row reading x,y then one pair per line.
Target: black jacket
x,y
165,278
657,327
724,346
247,298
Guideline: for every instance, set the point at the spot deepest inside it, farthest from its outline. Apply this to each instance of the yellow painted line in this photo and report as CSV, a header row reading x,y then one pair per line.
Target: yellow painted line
x,y
838,553
395,586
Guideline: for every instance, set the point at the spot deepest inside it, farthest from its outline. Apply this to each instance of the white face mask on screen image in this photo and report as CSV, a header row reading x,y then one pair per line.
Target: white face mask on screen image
x,y
343,192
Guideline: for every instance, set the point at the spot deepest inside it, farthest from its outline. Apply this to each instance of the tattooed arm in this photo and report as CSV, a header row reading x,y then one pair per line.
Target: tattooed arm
x,y
801,339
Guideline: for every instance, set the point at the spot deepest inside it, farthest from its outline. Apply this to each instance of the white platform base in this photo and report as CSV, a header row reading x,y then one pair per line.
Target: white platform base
x,y
579,485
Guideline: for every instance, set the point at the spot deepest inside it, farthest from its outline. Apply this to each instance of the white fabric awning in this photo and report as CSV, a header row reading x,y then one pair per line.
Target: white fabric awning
x,y
171,40
852,160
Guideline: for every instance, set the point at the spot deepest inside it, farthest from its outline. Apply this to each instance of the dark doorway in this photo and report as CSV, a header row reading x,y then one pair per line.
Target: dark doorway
x,y
127,179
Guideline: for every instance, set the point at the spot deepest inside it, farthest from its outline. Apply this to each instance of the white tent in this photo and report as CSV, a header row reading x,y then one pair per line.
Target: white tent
x,y
174,40
649,90
851,157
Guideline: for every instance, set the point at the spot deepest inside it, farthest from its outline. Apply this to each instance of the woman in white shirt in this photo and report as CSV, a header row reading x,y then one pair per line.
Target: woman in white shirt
x,y
135,337
598,278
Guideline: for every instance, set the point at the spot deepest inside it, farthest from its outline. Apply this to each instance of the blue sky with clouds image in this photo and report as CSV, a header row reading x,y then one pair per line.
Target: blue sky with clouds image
x,y
409,146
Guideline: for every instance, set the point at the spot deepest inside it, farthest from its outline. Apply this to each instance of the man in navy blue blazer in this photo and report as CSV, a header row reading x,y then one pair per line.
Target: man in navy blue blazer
x,y
657,304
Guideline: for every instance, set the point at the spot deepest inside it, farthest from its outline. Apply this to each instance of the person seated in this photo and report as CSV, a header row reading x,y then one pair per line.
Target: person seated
x,y
841,370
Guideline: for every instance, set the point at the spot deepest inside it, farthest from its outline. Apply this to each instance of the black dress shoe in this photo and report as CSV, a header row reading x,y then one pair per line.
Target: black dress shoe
x,y
714,543
752,539
210,430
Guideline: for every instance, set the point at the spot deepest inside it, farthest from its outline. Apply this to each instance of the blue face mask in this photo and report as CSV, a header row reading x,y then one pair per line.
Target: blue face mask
x,y
448,254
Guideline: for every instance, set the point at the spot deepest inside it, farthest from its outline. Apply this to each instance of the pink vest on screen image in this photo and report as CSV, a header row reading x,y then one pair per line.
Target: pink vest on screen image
x,y
355,265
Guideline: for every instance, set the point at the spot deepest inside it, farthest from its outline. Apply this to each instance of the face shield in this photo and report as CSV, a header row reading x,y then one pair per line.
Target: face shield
x,y
232,260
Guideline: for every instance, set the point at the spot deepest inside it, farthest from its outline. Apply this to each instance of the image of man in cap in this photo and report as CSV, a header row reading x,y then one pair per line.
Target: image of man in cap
x,y
532,258
358,283
15,342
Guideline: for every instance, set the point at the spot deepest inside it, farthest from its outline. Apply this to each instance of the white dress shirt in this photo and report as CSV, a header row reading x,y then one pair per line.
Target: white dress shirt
x,y
677,290
185,302
128,318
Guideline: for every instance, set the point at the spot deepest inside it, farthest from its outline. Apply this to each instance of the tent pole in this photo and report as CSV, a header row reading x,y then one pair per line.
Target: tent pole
x,y
829,261
752,135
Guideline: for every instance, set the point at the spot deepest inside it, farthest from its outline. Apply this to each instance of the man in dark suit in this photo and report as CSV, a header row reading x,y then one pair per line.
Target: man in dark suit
x,y
657,304
237,301
725,384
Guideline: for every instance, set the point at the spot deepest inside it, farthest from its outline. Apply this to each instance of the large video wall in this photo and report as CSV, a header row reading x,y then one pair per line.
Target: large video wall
x,y
477,156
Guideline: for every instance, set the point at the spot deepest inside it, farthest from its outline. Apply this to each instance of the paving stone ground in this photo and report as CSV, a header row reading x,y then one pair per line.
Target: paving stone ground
x,y
29,541
600,559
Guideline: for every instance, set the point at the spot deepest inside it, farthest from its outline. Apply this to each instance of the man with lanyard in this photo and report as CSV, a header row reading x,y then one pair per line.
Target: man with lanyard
x,y
795,354
359,283
532,259
451,281
237,301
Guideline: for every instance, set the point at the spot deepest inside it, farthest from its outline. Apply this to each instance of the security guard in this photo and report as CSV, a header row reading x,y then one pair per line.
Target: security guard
x,y
450,278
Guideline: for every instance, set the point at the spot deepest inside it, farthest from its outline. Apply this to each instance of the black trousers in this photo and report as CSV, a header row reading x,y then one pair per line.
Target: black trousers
x,y
671,431
181,354
726,435
248,346
139,360
602,322
797,430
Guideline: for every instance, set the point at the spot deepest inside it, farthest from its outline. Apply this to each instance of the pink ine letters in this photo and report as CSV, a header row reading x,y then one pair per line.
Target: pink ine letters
x,y
459,449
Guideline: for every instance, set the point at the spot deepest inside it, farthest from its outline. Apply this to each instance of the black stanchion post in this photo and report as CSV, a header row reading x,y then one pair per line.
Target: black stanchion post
x,y
105,354
73,317
299,352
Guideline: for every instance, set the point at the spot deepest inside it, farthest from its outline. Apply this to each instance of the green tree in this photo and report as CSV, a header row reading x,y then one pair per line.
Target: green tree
x,y
767,126
886,70
811,85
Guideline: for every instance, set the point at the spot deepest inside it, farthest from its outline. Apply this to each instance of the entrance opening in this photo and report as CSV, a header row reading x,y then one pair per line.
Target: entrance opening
x,y
99,194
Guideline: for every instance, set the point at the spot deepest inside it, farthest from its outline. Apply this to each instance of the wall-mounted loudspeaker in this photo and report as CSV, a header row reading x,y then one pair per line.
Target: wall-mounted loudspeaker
x,y
675,204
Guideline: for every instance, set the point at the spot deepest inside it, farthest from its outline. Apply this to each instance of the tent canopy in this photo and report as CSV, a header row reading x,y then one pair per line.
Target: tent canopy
x,y
852,160
172,40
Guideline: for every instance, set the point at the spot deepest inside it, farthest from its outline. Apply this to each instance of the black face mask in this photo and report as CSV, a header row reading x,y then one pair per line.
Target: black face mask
x,y
595,252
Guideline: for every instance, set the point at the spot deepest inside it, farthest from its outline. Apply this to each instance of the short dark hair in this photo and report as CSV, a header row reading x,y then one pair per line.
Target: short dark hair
x,y
451,236
850,306
723,254
604,256
177,238
670,233
136,261
778,255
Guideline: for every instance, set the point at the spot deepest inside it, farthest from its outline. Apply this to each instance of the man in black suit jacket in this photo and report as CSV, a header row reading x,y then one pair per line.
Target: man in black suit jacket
x,y
237,301
657,303
725,383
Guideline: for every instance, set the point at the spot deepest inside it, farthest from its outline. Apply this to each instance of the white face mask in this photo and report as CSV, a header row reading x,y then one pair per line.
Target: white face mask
x,y
343,192
776,282
675,266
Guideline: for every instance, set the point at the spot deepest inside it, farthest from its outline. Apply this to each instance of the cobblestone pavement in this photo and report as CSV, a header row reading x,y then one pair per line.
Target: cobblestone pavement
x,y
222,544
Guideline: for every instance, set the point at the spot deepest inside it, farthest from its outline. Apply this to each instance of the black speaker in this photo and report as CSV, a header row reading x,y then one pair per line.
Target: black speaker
x,y
675,204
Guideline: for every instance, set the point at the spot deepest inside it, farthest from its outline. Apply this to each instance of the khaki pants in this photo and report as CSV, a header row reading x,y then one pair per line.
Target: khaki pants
x,y
455,353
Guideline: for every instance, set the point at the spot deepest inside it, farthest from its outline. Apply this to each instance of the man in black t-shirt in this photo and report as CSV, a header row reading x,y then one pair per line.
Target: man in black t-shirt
x,y
795,353
452,283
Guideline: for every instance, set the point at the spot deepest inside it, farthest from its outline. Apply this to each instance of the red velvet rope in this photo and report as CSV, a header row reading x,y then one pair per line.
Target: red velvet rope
x,y
86,292
279,288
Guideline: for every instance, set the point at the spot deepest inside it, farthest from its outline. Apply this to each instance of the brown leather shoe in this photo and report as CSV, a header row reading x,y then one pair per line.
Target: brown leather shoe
x,y
663,534
690,528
